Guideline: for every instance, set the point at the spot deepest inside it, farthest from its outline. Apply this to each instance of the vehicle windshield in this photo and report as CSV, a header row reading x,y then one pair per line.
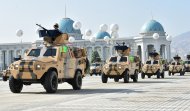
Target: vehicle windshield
x,y
123,59
95,64
113,59
187,62
34,52
148,62
50,52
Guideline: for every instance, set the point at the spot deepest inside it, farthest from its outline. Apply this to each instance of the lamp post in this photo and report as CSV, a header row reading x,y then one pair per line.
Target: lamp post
x,y
19,33
156,37
169,38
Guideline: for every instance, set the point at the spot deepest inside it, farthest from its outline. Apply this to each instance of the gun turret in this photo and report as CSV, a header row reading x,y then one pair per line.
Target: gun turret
x,y
122,49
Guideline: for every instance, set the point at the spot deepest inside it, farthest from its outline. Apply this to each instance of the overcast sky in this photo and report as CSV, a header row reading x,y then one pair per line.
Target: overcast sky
x,y
130,15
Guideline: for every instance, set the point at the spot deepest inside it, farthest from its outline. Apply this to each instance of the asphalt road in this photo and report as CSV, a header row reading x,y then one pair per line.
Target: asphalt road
x,y
171,94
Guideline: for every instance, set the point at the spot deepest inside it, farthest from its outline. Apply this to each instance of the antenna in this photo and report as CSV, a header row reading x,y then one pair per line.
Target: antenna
x,y
65,10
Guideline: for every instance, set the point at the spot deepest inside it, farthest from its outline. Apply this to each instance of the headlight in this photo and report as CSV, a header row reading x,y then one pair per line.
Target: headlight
x,y
106,67
16,66
119,67
38,66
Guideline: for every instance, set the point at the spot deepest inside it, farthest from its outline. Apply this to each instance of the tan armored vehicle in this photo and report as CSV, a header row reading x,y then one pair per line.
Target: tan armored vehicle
x,y
153,66
54,63
96,68
121,66
176,66
187,64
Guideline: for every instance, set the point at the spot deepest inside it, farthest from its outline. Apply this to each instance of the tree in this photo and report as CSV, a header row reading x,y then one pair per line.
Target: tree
x,y
95,57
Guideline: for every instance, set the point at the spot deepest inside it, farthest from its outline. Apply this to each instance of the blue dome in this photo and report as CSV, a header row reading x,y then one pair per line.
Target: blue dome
x,y
101,35
152,26
66,26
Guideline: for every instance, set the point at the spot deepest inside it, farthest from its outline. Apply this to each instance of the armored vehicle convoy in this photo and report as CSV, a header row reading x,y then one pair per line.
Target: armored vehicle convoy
x,y
121,66
176,66
153,66
96,68
54,62
187,64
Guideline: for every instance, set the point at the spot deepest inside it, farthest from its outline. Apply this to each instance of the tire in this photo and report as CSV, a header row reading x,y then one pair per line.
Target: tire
x,y
158,74
162,75
77,81
4,78
149,76
15,85
126,77
116,79
142,75
50,82
169,73
104,78
135,77
182,73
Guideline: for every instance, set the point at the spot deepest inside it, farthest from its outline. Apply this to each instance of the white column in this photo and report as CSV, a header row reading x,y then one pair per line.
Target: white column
x,y
7,59
168,52
1,60
144,51
102,53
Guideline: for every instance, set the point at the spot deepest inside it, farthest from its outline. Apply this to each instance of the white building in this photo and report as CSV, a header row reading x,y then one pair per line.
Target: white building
x,y
141,45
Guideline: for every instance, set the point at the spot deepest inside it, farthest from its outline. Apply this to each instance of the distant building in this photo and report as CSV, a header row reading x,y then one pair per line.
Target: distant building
x,y
141,45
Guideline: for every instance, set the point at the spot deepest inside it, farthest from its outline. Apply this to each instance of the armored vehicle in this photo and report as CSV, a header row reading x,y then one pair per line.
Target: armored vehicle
x,y
96,68
121,66
187,64
54,62
153,66
176,66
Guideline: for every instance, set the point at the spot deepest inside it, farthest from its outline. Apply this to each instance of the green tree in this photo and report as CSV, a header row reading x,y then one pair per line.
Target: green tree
x,y
95,57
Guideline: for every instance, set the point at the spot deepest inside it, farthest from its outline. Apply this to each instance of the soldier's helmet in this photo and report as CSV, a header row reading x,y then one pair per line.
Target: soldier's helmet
x,y
153,54
122,49
56,26
177,57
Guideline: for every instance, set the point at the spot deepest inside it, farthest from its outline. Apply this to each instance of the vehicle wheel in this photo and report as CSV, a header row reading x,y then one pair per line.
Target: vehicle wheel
x,y
15,85
104,78
162,75
149,76
126,77
50,82
182,73
116,79
90,74
158,74
77,81
4,78
169,73
135,77
142,75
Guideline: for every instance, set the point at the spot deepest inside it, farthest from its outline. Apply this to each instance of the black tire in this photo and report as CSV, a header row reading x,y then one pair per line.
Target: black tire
x,y
116,79
90,74
50,82
4,78
182,73
158,74
135,76
77,81
104,78
169,73
162,75
142,75
149,76
126,77
15,85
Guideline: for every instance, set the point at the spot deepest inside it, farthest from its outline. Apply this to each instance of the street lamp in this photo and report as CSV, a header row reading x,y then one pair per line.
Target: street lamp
x,y
156,36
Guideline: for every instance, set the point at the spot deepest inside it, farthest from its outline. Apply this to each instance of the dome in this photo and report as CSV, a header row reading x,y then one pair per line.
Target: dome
x,y
66,26
152,26
101,35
